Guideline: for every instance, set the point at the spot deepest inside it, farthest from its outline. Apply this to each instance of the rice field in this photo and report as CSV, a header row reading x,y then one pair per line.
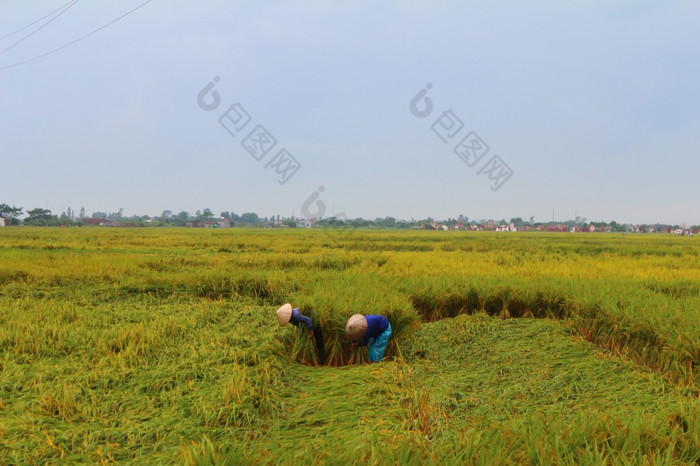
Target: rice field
x,y
162,346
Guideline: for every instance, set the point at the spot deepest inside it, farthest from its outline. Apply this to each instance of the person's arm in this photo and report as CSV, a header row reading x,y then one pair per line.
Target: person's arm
x,y
301,318
371,329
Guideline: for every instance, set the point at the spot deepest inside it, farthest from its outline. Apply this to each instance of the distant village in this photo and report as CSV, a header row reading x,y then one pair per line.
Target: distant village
x,y
15,216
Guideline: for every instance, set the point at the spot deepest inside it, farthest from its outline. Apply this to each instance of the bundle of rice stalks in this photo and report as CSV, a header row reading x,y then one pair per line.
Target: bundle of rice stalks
x,y
516,305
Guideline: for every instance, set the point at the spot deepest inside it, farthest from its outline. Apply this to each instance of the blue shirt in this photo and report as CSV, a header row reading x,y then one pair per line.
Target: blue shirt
x,y
298,318
376,325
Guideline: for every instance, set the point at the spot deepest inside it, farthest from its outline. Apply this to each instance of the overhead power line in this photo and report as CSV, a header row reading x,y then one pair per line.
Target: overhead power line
x,y
40,27
40,19
76,40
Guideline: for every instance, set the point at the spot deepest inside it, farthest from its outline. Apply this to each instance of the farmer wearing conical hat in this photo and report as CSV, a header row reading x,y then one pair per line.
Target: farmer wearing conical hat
x,y
373,329
288,315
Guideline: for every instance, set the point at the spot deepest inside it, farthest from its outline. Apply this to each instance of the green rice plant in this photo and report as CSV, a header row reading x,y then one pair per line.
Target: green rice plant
x,y
517,304
161,346
206,453
493,305
249,394
548,304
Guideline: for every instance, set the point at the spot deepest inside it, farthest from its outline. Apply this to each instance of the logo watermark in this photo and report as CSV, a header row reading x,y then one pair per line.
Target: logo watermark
x,y
338,225
471,149
259,142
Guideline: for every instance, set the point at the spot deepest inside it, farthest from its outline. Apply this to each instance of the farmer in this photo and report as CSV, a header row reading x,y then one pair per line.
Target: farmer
x,y
286,315
373,329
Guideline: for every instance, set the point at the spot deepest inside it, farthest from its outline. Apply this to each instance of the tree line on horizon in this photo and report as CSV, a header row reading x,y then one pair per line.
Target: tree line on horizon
x,y
44,217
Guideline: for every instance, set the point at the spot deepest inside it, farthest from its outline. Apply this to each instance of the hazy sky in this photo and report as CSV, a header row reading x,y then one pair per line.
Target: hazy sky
x,y
586,107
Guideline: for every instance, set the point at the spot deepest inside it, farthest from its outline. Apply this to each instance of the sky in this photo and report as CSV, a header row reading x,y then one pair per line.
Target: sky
x,y
488,109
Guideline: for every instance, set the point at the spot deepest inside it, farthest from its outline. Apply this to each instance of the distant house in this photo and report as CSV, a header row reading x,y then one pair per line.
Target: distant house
x,y
2,221
306,224
504,227
93,222
224,223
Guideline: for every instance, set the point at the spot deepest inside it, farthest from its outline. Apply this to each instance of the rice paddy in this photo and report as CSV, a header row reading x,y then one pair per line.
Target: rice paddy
x,y
162,346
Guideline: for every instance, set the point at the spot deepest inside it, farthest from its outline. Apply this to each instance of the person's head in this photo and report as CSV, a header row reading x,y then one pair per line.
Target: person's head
x,y
284,314
356,327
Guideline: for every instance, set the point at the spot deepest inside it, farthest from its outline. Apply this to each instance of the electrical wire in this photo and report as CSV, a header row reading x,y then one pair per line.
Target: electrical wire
x,y
40,19
40,27
76,40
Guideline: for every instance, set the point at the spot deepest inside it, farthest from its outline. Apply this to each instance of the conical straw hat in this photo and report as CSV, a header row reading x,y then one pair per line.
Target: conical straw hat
x,y
284,314
356,327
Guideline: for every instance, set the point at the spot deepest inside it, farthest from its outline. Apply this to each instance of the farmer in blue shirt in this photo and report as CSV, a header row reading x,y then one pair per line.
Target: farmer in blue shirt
x,y
288,315
373,329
